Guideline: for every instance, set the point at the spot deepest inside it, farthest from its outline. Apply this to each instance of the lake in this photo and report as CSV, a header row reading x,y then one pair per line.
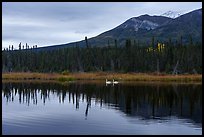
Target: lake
x,y
94,108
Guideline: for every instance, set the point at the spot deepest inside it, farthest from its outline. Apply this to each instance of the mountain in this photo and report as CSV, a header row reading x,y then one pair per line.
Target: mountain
x,y
132,28
144,22
172,14
144,27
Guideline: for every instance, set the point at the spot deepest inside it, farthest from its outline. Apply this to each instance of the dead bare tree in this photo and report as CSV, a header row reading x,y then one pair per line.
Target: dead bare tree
x,y
175,71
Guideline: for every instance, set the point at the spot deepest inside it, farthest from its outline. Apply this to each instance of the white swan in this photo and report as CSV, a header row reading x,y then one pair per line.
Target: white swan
x,y
108,82
115,82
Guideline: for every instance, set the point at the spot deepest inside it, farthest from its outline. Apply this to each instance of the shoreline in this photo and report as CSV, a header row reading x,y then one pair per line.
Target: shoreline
x,y
90,76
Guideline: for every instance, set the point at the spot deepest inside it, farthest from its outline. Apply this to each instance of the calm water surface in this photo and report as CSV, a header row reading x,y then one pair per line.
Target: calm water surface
x,y
94,108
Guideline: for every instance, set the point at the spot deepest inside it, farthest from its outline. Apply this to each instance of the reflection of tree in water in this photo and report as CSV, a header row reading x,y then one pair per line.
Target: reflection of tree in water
x,y
148,101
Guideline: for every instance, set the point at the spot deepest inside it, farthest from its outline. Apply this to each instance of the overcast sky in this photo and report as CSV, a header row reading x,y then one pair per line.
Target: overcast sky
x,y
50,23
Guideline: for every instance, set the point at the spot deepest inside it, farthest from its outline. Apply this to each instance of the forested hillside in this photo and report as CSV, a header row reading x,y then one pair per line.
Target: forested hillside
x,y
140,44
157,57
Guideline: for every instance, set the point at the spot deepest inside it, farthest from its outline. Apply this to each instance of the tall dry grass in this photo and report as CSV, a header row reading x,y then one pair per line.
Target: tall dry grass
x,y
100,76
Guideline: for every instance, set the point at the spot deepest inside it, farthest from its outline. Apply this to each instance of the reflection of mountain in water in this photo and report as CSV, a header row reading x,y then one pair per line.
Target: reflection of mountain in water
x,y
146,101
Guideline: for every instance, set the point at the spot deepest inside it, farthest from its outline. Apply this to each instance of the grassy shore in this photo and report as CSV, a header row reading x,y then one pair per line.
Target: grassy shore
x,y
101,76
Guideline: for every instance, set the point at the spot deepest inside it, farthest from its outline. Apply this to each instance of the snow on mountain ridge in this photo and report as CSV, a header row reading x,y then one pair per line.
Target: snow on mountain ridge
x,y
137,24
172,14
149,25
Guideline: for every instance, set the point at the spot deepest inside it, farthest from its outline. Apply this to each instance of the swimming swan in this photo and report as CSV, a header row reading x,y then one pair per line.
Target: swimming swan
x,y
115,82
108,82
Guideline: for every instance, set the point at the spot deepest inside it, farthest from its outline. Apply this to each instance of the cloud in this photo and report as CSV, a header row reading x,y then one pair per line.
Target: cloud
x,y
50,23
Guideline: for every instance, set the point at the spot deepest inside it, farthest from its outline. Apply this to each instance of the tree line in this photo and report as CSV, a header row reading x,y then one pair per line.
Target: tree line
x,y
160,57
